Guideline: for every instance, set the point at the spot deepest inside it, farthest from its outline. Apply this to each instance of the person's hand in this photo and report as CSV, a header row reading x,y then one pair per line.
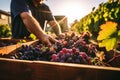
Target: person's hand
x,y
62,35
48,40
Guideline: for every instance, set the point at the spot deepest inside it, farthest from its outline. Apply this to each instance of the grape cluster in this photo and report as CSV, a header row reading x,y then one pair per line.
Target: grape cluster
x,y
80,42
71,56
39,52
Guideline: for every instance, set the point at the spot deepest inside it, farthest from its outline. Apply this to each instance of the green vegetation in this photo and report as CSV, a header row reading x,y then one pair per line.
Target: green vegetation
x,y
108,11
109,36
5,31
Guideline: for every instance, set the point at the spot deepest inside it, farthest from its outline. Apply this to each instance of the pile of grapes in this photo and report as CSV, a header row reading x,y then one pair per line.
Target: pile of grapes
x,y
2,43
70,49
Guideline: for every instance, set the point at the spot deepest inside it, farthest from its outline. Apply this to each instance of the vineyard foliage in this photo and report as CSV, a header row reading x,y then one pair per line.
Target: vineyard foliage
x,y
109,35
109,11
5,31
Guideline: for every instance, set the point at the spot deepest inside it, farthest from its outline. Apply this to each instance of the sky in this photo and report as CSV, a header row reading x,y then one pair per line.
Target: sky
x,y
73,9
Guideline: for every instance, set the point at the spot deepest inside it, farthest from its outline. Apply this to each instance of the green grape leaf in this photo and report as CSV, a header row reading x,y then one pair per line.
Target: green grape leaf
x,y
96,18
107,30
110,16
109,44
102,43
105,14
116,12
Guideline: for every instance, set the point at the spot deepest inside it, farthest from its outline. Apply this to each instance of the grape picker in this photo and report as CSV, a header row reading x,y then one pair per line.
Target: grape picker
x,y
23,23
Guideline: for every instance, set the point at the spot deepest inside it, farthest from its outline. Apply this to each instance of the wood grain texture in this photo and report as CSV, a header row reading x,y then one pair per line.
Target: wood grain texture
x,y
6,50
41,70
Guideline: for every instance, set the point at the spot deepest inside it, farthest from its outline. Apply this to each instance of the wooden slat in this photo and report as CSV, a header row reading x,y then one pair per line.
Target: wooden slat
x,y
12,48
11,69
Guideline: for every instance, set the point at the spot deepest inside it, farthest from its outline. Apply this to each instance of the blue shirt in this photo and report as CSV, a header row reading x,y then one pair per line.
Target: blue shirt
x,y
41,13
18,28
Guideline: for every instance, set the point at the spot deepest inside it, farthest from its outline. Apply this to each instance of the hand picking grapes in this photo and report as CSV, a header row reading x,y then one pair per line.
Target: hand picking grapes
x,y
48,40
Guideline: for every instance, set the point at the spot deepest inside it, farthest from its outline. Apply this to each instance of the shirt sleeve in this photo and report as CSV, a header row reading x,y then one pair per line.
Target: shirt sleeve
x,y
49,15
18,6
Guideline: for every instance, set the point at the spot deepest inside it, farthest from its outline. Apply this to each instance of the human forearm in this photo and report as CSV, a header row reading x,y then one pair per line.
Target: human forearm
x,y
32,25
56,27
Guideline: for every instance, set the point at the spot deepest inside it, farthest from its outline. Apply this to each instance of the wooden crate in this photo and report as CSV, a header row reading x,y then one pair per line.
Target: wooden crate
x,y
13,69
